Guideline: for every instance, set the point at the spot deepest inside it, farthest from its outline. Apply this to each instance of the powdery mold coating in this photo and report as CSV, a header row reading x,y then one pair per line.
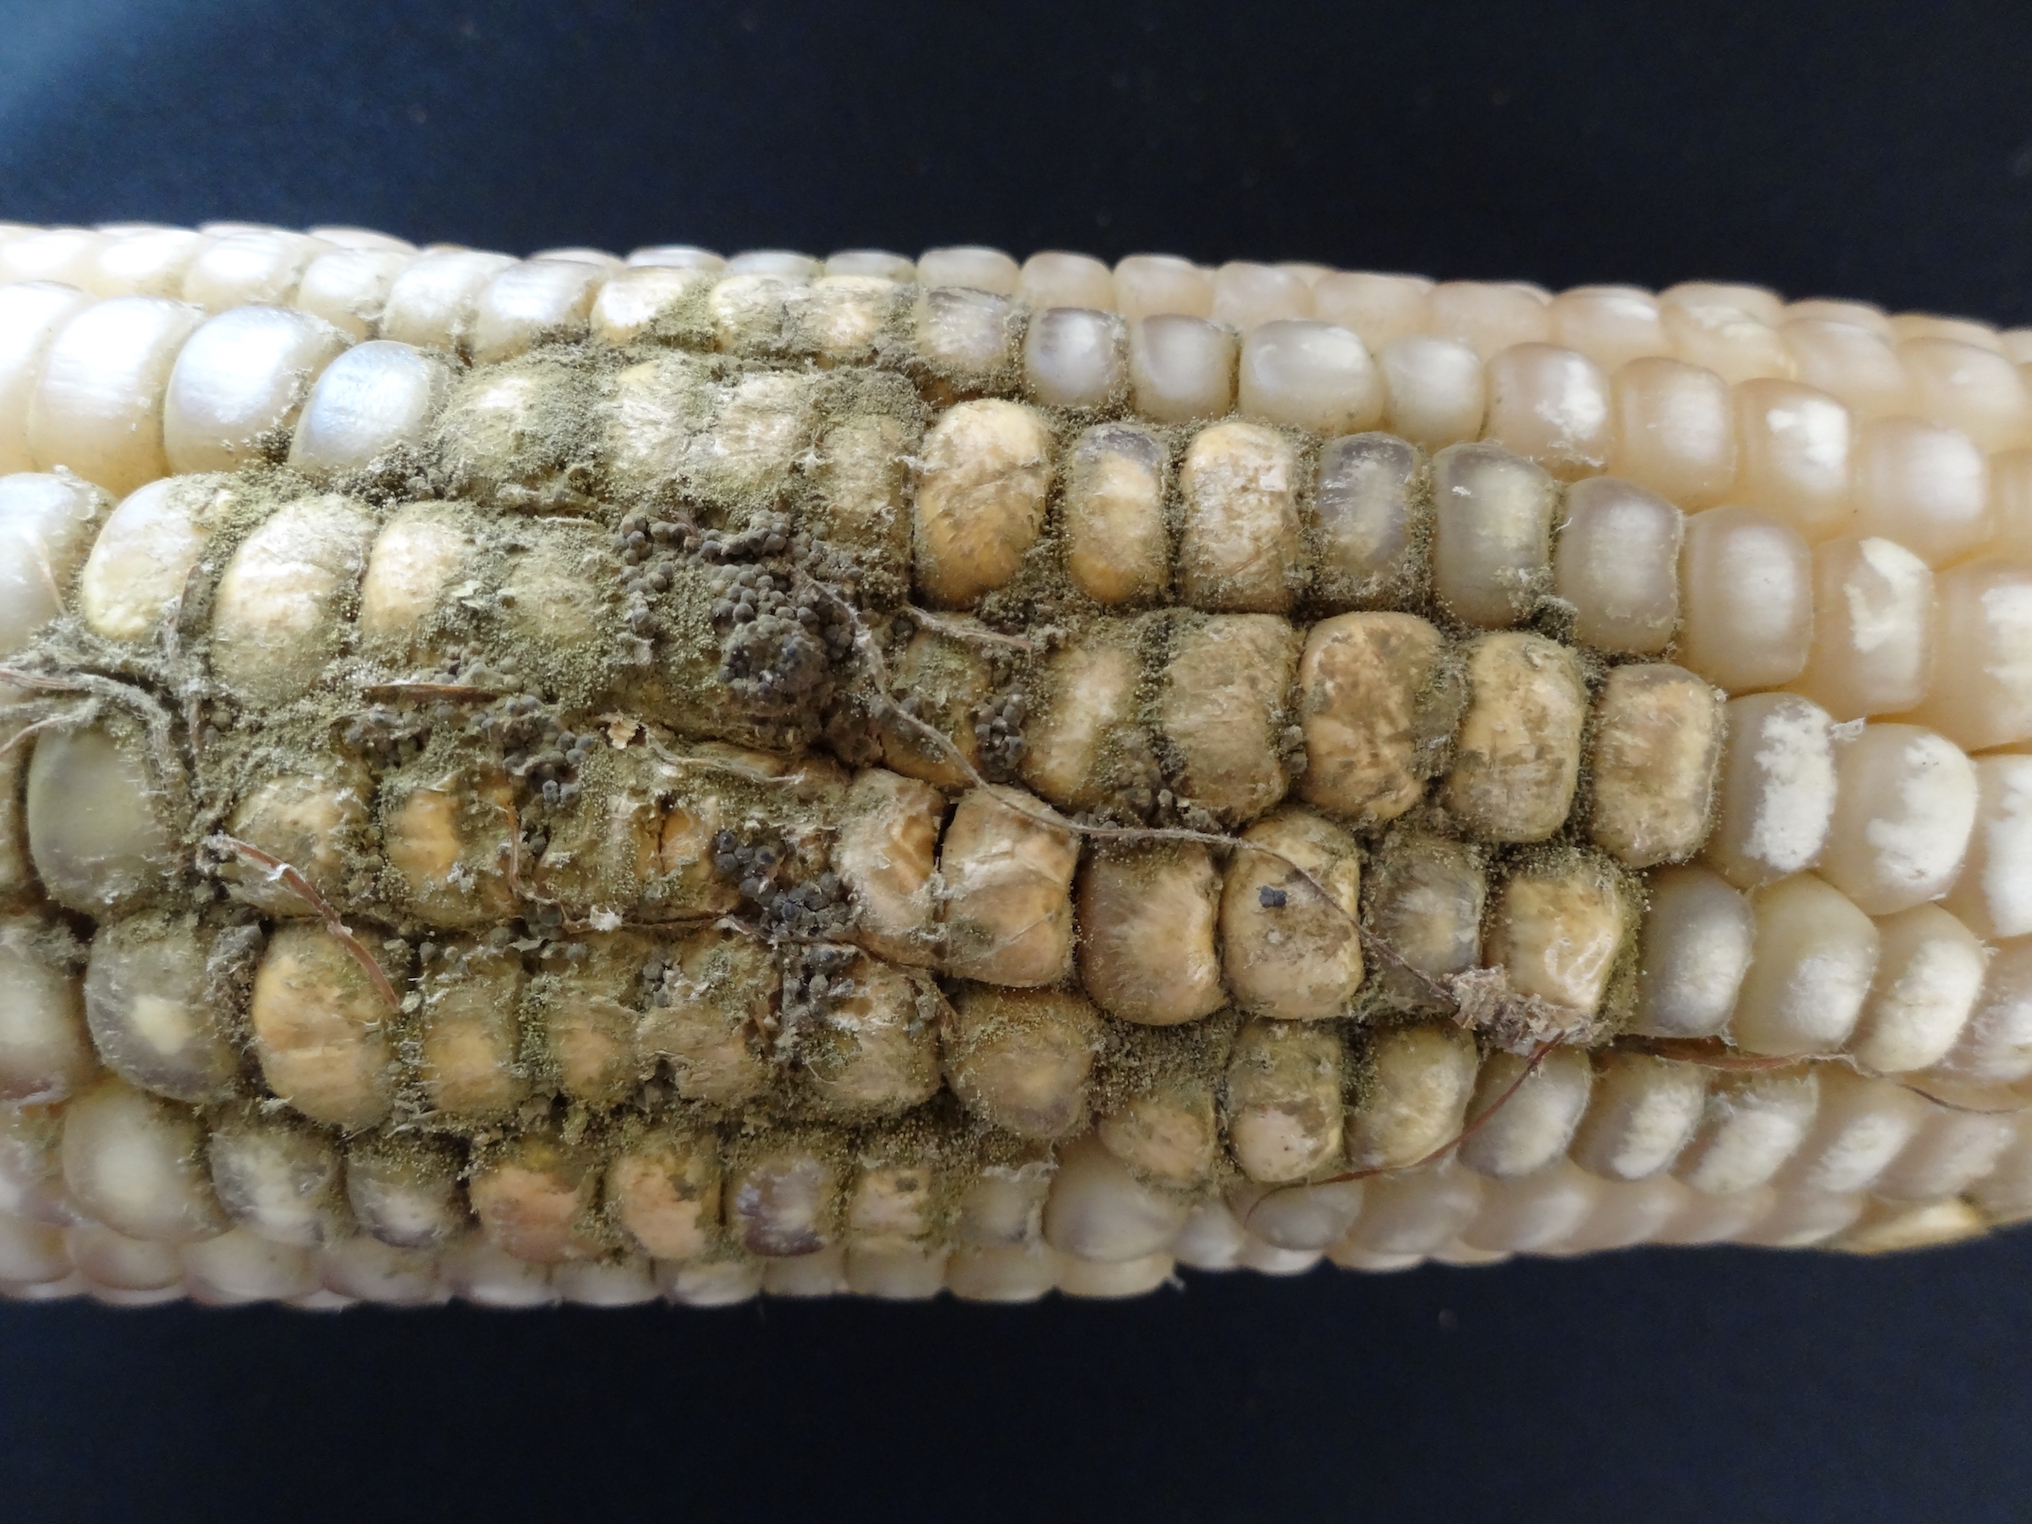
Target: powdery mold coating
x,y
592,779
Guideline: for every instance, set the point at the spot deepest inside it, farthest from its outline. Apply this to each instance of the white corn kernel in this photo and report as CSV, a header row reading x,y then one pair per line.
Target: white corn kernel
x,y
1810,969
1617,564
238,381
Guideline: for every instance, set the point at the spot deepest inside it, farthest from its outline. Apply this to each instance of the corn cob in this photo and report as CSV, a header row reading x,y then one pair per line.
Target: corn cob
x,y
594,780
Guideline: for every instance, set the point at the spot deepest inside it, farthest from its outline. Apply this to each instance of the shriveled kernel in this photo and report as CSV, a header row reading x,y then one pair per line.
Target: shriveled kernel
x,y
1008,867
1653,759
1021,1059
1117,542
1419,1079
1371,713
1929,974
469,1032
1550,406
1181,369
1517,754
44,1052
1437,393
136,1164
785,1201
1674,431
1810,969
99,828
1641,1112
321,1029
1147,918
277,1179
1993,893
1425,898
965,337
1288,950
1073,357
1745,599
536,1200
1282,1100
164,997
1617,564
1492,534
1532,1127
1751,1125
980,499
1079,743
1150,285
885,857
1240,548
951,682
1221,707
1311,376
1922,485
406,1192
719,994
239,379
1905,807
1170,1133
664,1190
277,614
1982,692
1556,934
1368,523
1695,949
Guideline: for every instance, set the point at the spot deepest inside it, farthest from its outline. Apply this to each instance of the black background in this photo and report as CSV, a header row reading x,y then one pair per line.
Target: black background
x,y
1875,151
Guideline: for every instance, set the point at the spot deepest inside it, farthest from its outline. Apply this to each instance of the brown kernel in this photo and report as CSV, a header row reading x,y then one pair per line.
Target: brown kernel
x,y
1657,747
321,1029
1282,1100
885,856
1147,917
1170,1134
315,820
664,1190
1517,757
449,838
946,681
1117,546
536,1201
1020,1060
1287,950
980,499
1221,707
785,1202
706,1020
1008,867
875,1051
470,1030
1240,549
1083,715
1366,705
1557,933
1419,1081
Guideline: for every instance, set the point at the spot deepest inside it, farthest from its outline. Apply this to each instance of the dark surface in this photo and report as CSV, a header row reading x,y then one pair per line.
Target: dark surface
x,y
1859,151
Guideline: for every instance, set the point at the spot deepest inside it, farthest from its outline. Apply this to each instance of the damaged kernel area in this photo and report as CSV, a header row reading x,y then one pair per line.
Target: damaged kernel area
x,y
582,780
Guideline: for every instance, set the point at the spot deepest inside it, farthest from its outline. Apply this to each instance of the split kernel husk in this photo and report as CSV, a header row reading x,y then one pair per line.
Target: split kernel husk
x,y
577,780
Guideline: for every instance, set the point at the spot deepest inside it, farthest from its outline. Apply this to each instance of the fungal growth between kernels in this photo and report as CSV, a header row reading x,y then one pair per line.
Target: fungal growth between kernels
x,y
595,780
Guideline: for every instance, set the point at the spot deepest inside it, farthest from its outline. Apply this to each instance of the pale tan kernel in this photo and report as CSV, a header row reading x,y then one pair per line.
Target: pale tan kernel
x,y
871,1049
1982,693
421,554
786,1201
1777,789
664,1190
895,1204
1369,713
315,820
1487,316
1993,893
1556,934
886,859
277,1178
978,269
449,838
1641,1112
1674,431
636,301
1735,344
1611,325
1005,1203
135,1163
980,499
1379,308
1240,549
1288,950
1170,1133
1021,1059
100,828
1076,746
1972,389
1114,1281
1008,861
114,1262
1794,447
1745,600
842,318
1437,393
1550,406
17,871
584,1009
1221,706
1930,971
1866,315
1147,918
966,337
1751,1125
1617,564
1281,1100
1306,1219
141,562
1152,285
1117,547
1951,1149
948,681
750,310
97,406
602,856
1995,1045
1654,756
1415,1212
863,496
1924,486
250,265
1694,952
1517,754
536,1201
2010,506
1905,807
1098,1210
1492,518
469,1032
47,525
875,262
1074,358
31,315
406,1192
1810,969
1181,369
278,613
1055,279
1366,523
1859,1127
322,1029
1425,897
718,996
1532,1127
1849,362
1416,1096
